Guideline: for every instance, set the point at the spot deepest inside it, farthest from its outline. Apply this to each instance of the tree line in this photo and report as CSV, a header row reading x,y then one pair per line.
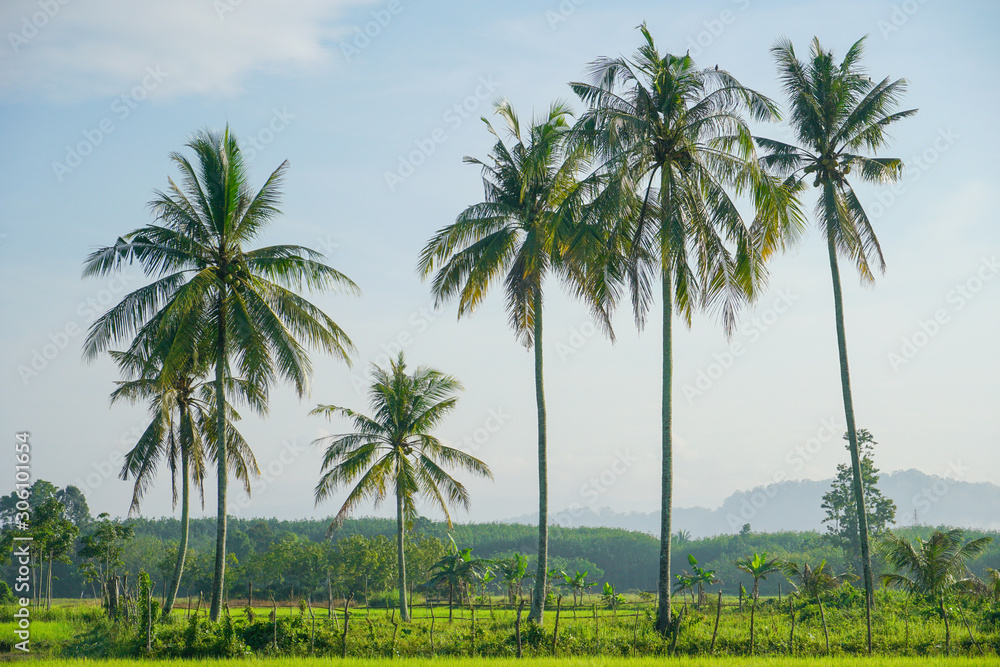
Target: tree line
x,y
635,198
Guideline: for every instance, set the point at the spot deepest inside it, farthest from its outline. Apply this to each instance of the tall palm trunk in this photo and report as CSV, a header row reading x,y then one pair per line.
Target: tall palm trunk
x,y
663,611
859,492
175,583
221,463
538,598
404,612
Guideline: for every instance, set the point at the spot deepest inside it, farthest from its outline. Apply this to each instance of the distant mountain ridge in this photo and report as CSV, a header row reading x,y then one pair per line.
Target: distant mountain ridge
x,y
795,505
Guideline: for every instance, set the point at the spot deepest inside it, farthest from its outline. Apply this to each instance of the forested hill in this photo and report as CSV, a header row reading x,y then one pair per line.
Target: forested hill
x,y
796,506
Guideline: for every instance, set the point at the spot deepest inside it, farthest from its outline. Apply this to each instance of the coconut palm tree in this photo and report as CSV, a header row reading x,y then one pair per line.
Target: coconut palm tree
x,y
675,134
457,570
814,583
394,452
180,434
530,226
838,112
209,286
935,569
759,567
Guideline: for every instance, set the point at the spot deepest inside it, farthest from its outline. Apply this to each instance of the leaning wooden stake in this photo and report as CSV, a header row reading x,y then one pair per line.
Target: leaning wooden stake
x,y
715,632
517,628
969,628
597,632
347,617
431,608
555,631
635,633
791,634
274,620
472,637
149,620
395,631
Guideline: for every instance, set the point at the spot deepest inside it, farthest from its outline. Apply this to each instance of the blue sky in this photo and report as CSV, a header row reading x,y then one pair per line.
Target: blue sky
x,y
93,98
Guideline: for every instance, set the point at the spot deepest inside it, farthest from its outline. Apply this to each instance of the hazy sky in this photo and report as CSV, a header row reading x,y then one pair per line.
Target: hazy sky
x,y
374,104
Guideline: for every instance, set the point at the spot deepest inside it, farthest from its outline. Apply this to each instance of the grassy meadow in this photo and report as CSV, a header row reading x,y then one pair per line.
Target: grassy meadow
x,y
587,633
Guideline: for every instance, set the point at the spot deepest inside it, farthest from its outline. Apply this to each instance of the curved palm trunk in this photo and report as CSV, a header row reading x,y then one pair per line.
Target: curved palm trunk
x,y
663,612
221,463
822,615
538,598
404,612
859,492
175,583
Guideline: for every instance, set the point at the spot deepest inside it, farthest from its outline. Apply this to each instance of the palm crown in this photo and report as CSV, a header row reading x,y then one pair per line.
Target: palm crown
x,y
837,112
530,224
393,451
658,116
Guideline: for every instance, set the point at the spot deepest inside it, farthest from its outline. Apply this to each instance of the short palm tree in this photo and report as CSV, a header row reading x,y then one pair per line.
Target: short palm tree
x,y
759,567
814,583
209,288
393,452
577,583
675,133
837,112
935,569
179,435
457,570
529,227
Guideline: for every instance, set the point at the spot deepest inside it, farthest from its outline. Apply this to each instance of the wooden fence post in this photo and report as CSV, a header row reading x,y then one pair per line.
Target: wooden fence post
x,y
715,632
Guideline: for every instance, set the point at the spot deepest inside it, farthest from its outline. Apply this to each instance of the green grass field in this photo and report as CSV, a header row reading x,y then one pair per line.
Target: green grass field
x,y
80,630
565,662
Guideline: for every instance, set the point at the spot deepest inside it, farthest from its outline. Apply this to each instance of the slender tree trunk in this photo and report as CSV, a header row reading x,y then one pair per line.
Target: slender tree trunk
x,y
221,461
852,434
822,615
753,612
404,612
663,615
48,586
175,583
538,599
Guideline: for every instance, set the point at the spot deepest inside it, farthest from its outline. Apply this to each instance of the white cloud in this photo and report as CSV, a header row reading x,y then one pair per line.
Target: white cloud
x,y
67,50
